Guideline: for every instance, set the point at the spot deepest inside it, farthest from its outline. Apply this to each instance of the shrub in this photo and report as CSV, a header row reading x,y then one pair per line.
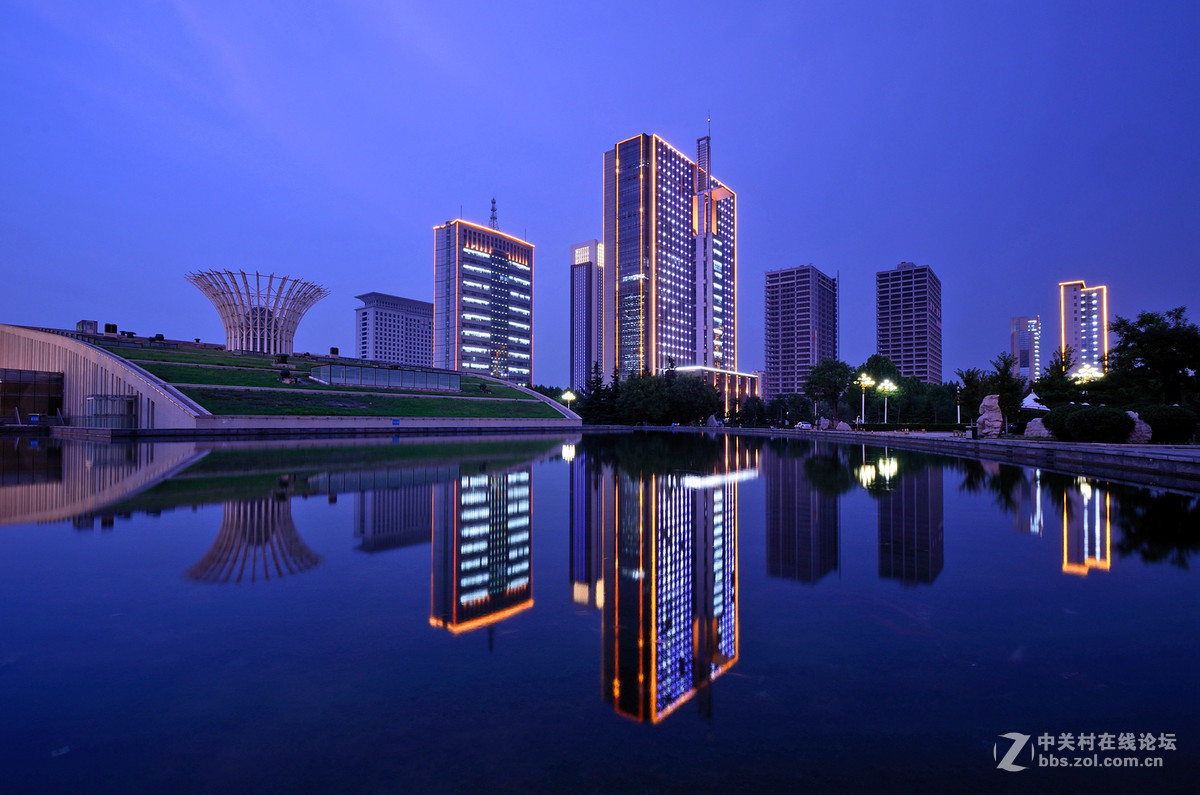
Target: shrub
x,y
1171,424
1099,424
1056,420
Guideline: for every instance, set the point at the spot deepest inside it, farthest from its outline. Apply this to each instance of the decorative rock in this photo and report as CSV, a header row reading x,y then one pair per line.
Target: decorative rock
x,y
841,426
1036,429
825,424
1141,432
991,422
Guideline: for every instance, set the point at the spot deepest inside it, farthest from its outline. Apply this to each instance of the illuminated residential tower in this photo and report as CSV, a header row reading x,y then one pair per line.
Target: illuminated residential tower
x,y
482,302
1083,323
670,281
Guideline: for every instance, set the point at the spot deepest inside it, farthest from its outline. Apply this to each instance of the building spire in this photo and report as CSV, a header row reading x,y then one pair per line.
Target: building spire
x,y
495,223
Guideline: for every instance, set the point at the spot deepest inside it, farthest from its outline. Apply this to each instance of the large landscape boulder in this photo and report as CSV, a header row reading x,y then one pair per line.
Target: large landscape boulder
x,y
1036,429
841,426
824,424
1141,432
991,422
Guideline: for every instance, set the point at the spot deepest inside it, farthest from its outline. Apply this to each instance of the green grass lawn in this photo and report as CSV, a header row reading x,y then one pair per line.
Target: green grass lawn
x,y
203,357
314,403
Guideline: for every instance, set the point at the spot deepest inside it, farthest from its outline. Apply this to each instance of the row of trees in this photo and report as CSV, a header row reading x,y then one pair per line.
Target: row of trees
x,y
1155,360
647,398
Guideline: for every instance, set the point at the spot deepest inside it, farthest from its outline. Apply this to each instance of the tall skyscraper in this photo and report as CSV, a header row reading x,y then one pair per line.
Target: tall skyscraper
x,y
587,283
908,320
482,302
670,245
800,326
1083,320
388,328
1026,337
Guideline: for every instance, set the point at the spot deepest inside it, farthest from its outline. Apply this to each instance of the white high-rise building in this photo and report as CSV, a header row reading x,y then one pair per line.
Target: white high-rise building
x,y
388,328
1083,319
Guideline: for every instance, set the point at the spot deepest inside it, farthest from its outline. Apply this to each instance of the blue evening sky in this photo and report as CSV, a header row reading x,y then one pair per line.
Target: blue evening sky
x,y
1009,145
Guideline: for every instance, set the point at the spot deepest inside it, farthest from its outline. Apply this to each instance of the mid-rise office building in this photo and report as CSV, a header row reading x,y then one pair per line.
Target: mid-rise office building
x,y
908,320
670,244
800,326
483,302
388,328
1025,335
1083,320
587,284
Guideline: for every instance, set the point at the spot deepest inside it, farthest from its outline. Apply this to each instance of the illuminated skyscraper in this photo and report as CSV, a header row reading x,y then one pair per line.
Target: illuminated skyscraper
x,y
1083,320
800,326
670,586
908,320
481,550
388,328
670,245
1025,334
482,302
587,282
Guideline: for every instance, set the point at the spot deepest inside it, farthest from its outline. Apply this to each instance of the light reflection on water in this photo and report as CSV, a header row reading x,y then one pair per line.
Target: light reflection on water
x,y
878,609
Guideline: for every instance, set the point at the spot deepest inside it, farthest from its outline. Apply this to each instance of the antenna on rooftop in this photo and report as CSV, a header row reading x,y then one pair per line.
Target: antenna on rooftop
x,y
495,223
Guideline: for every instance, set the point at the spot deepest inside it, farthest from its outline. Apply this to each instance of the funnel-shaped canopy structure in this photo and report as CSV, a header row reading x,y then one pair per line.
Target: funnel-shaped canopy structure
x,y
260,312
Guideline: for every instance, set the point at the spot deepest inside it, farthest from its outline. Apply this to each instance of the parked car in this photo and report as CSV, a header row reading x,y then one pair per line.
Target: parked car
x,y
804,426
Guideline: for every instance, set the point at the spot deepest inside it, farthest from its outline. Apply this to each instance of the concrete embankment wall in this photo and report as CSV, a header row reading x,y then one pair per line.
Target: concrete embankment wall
x,y
1166,466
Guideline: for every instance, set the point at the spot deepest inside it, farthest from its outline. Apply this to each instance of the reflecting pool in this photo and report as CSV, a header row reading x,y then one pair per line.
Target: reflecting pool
x,y
625,612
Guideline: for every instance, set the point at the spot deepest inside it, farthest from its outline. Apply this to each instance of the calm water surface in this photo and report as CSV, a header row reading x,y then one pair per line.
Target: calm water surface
x,y
611,613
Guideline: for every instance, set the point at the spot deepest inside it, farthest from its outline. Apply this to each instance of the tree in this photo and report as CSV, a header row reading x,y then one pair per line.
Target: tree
x,y
690,399
972,392
1011,388
1055,387
1159,354
827,381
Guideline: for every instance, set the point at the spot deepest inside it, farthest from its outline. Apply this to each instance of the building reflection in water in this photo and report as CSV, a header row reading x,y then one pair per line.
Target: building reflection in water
x,y
481,550
257,539
45,480
1028,517
801,521
657,552
393,507
1087,528
910,517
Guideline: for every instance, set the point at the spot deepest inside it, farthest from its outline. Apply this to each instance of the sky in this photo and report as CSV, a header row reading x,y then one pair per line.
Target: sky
x,y
1008,145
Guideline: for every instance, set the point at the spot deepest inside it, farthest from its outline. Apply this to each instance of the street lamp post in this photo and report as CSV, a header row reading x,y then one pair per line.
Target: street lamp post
x,y
887,388
568,396
864,381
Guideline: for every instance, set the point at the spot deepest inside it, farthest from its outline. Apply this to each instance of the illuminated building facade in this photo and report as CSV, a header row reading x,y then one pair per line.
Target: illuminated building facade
x,y
801,522
481,550
1083,320
800,326
260,313
388,328
1087,528
670,585
587,283
1025,334
908,320
911,547
670,246
483,302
